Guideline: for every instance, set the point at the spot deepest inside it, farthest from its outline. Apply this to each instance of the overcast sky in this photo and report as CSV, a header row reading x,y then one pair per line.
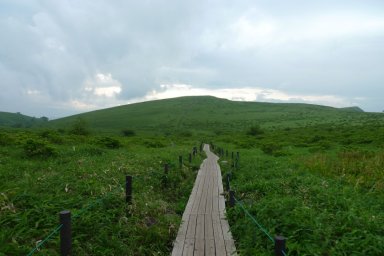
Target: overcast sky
x,y
69,56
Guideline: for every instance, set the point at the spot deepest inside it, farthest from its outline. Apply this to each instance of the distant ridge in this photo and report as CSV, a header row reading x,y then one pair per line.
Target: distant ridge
x,y
209,114
352,109
18,120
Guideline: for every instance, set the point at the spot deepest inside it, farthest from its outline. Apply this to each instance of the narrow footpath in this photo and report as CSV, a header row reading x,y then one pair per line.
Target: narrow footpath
x,y
204,229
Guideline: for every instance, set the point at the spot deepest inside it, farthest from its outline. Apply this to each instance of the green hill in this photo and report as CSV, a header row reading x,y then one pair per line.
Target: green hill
x,y
210,114
18,120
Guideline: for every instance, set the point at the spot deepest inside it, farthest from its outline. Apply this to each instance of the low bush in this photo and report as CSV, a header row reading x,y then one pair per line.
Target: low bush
x,y
255,130
128,133
108,142
35,148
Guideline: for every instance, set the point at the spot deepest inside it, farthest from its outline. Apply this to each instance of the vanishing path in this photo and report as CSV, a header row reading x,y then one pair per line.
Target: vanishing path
x,y
204,229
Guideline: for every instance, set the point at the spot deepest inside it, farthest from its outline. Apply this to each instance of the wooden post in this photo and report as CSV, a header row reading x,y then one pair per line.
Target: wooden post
x,y
227,182
128,189
166,169
181,161
280,245
194,151
231,198
237,155
65,233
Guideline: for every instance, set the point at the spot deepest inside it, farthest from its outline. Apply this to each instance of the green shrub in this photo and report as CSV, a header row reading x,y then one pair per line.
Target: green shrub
x,y
108,142
5,139
34,148
273,149
128,133
80,127
52,136
154,143
255,130
185,133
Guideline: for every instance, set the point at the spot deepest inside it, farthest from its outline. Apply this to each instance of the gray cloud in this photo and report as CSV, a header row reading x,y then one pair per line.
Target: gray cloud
x,y
51,51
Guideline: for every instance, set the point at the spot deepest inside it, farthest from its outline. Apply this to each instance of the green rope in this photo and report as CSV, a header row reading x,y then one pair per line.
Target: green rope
x,y
255,221
97,201
45,240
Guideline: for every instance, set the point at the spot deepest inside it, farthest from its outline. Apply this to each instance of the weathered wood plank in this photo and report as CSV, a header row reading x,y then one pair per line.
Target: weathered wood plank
x,y
199,247
218,234
191,230
210,247
189,247
178,247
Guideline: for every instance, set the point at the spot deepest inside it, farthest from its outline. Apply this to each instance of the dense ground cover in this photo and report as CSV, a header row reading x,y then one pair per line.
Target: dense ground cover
x,y
44,172
313,173
322,188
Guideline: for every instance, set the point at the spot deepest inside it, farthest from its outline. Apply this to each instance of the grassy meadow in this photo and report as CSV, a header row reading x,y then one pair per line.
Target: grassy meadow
x,y
314,174
44,172
322,188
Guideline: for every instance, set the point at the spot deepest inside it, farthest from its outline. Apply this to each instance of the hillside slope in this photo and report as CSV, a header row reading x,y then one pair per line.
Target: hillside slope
x,y
210,114
18,120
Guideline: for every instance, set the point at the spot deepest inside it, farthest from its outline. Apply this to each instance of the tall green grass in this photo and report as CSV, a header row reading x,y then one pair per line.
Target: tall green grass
x,y
326,196
86,176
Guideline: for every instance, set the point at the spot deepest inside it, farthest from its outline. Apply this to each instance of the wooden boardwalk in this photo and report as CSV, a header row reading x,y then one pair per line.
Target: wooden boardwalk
x,y
204,229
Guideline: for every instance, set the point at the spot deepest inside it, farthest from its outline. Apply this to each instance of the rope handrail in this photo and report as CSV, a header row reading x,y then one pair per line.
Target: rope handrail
x,y
57,229
37,247
255,221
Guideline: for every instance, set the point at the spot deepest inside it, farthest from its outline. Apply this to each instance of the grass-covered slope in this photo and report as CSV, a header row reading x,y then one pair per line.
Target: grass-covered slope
x,y
18,120
211,114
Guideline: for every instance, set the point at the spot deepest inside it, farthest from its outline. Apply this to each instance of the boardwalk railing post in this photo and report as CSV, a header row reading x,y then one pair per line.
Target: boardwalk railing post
x,y
180,161
280,245
166,169
227,182
128,189
231,198
194,151
65,233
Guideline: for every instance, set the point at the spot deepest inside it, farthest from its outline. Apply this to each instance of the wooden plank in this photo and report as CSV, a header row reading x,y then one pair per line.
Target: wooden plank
x,y
229,243
178,247
189,246
230,247
218,234
199,247
197,197
208,227
203,200
210,247
225,227
200,227
209,203
191,230
183,227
